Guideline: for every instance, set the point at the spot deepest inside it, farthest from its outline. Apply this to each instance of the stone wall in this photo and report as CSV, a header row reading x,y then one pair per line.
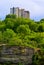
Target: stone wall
x,y
16,54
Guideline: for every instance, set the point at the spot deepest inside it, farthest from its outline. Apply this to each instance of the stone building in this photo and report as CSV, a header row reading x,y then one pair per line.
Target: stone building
x,y
26,14
14,11
20,12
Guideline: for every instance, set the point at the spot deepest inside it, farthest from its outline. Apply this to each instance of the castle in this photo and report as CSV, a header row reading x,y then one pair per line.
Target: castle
x,y
20,12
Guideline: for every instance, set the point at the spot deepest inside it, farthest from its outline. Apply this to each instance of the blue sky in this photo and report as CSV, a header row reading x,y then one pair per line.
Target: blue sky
x,y
36,7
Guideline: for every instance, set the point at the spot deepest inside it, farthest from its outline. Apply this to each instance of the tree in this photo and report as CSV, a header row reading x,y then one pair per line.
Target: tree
x,y
1,37
41,27
11,16
38,58
10,23
2,26
23,29
8,35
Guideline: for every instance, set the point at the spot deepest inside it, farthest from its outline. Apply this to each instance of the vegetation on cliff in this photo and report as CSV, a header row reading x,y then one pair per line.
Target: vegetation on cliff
x,y
23,32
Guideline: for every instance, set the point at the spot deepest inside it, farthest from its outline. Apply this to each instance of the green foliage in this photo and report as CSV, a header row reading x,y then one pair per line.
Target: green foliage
x,y
23,32
2,26
38,58
41,27
1,37
11,16
23,29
